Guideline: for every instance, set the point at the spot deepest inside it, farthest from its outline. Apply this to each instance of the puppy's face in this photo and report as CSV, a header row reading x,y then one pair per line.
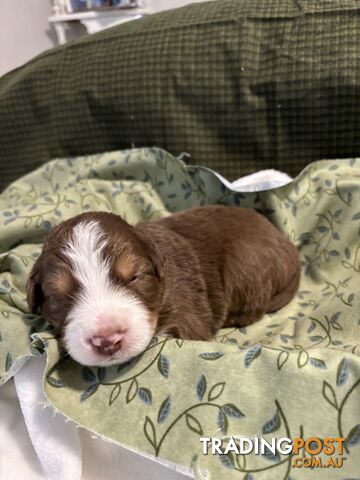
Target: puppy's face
x,y
100,284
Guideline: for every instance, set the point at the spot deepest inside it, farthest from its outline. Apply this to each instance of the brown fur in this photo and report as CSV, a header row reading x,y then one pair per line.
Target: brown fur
x,y
196,271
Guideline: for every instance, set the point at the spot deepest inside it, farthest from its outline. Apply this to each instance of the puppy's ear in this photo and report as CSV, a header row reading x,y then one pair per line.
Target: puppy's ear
x,y
157,259
34,293
153,254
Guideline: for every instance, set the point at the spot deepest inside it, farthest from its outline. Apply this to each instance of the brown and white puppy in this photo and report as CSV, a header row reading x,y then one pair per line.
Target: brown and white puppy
x,y
108,287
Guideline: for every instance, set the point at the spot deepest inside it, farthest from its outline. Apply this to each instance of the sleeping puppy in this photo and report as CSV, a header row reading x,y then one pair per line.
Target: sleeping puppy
x,y
107,287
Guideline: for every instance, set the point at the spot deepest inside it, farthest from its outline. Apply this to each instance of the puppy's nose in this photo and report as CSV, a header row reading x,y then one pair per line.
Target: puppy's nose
x,y
107,344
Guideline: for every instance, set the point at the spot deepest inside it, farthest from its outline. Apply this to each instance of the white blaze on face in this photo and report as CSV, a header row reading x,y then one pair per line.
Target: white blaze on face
x,y
100,307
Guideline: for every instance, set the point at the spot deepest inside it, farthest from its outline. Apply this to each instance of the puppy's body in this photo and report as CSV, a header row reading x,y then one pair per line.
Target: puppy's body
x,y
230,268
108,286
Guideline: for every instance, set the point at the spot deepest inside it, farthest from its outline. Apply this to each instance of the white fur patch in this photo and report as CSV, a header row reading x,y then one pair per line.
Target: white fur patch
x,y
99,297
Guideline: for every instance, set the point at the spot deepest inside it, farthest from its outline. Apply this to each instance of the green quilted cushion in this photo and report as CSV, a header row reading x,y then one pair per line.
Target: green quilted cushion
x,y
239,85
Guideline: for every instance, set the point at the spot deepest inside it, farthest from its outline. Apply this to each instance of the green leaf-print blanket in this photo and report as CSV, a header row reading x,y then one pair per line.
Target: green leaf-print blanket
x,y
295,373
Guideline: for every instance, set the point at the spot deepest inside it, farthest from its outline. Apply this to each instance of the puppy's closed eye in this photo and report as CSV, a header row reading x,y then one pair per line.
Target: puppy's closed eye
x,y
125,269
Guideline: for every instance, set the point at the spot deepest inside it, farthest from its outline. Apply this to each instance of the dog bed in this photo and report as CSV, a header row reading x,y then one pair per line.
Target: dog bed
x,y
295,373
